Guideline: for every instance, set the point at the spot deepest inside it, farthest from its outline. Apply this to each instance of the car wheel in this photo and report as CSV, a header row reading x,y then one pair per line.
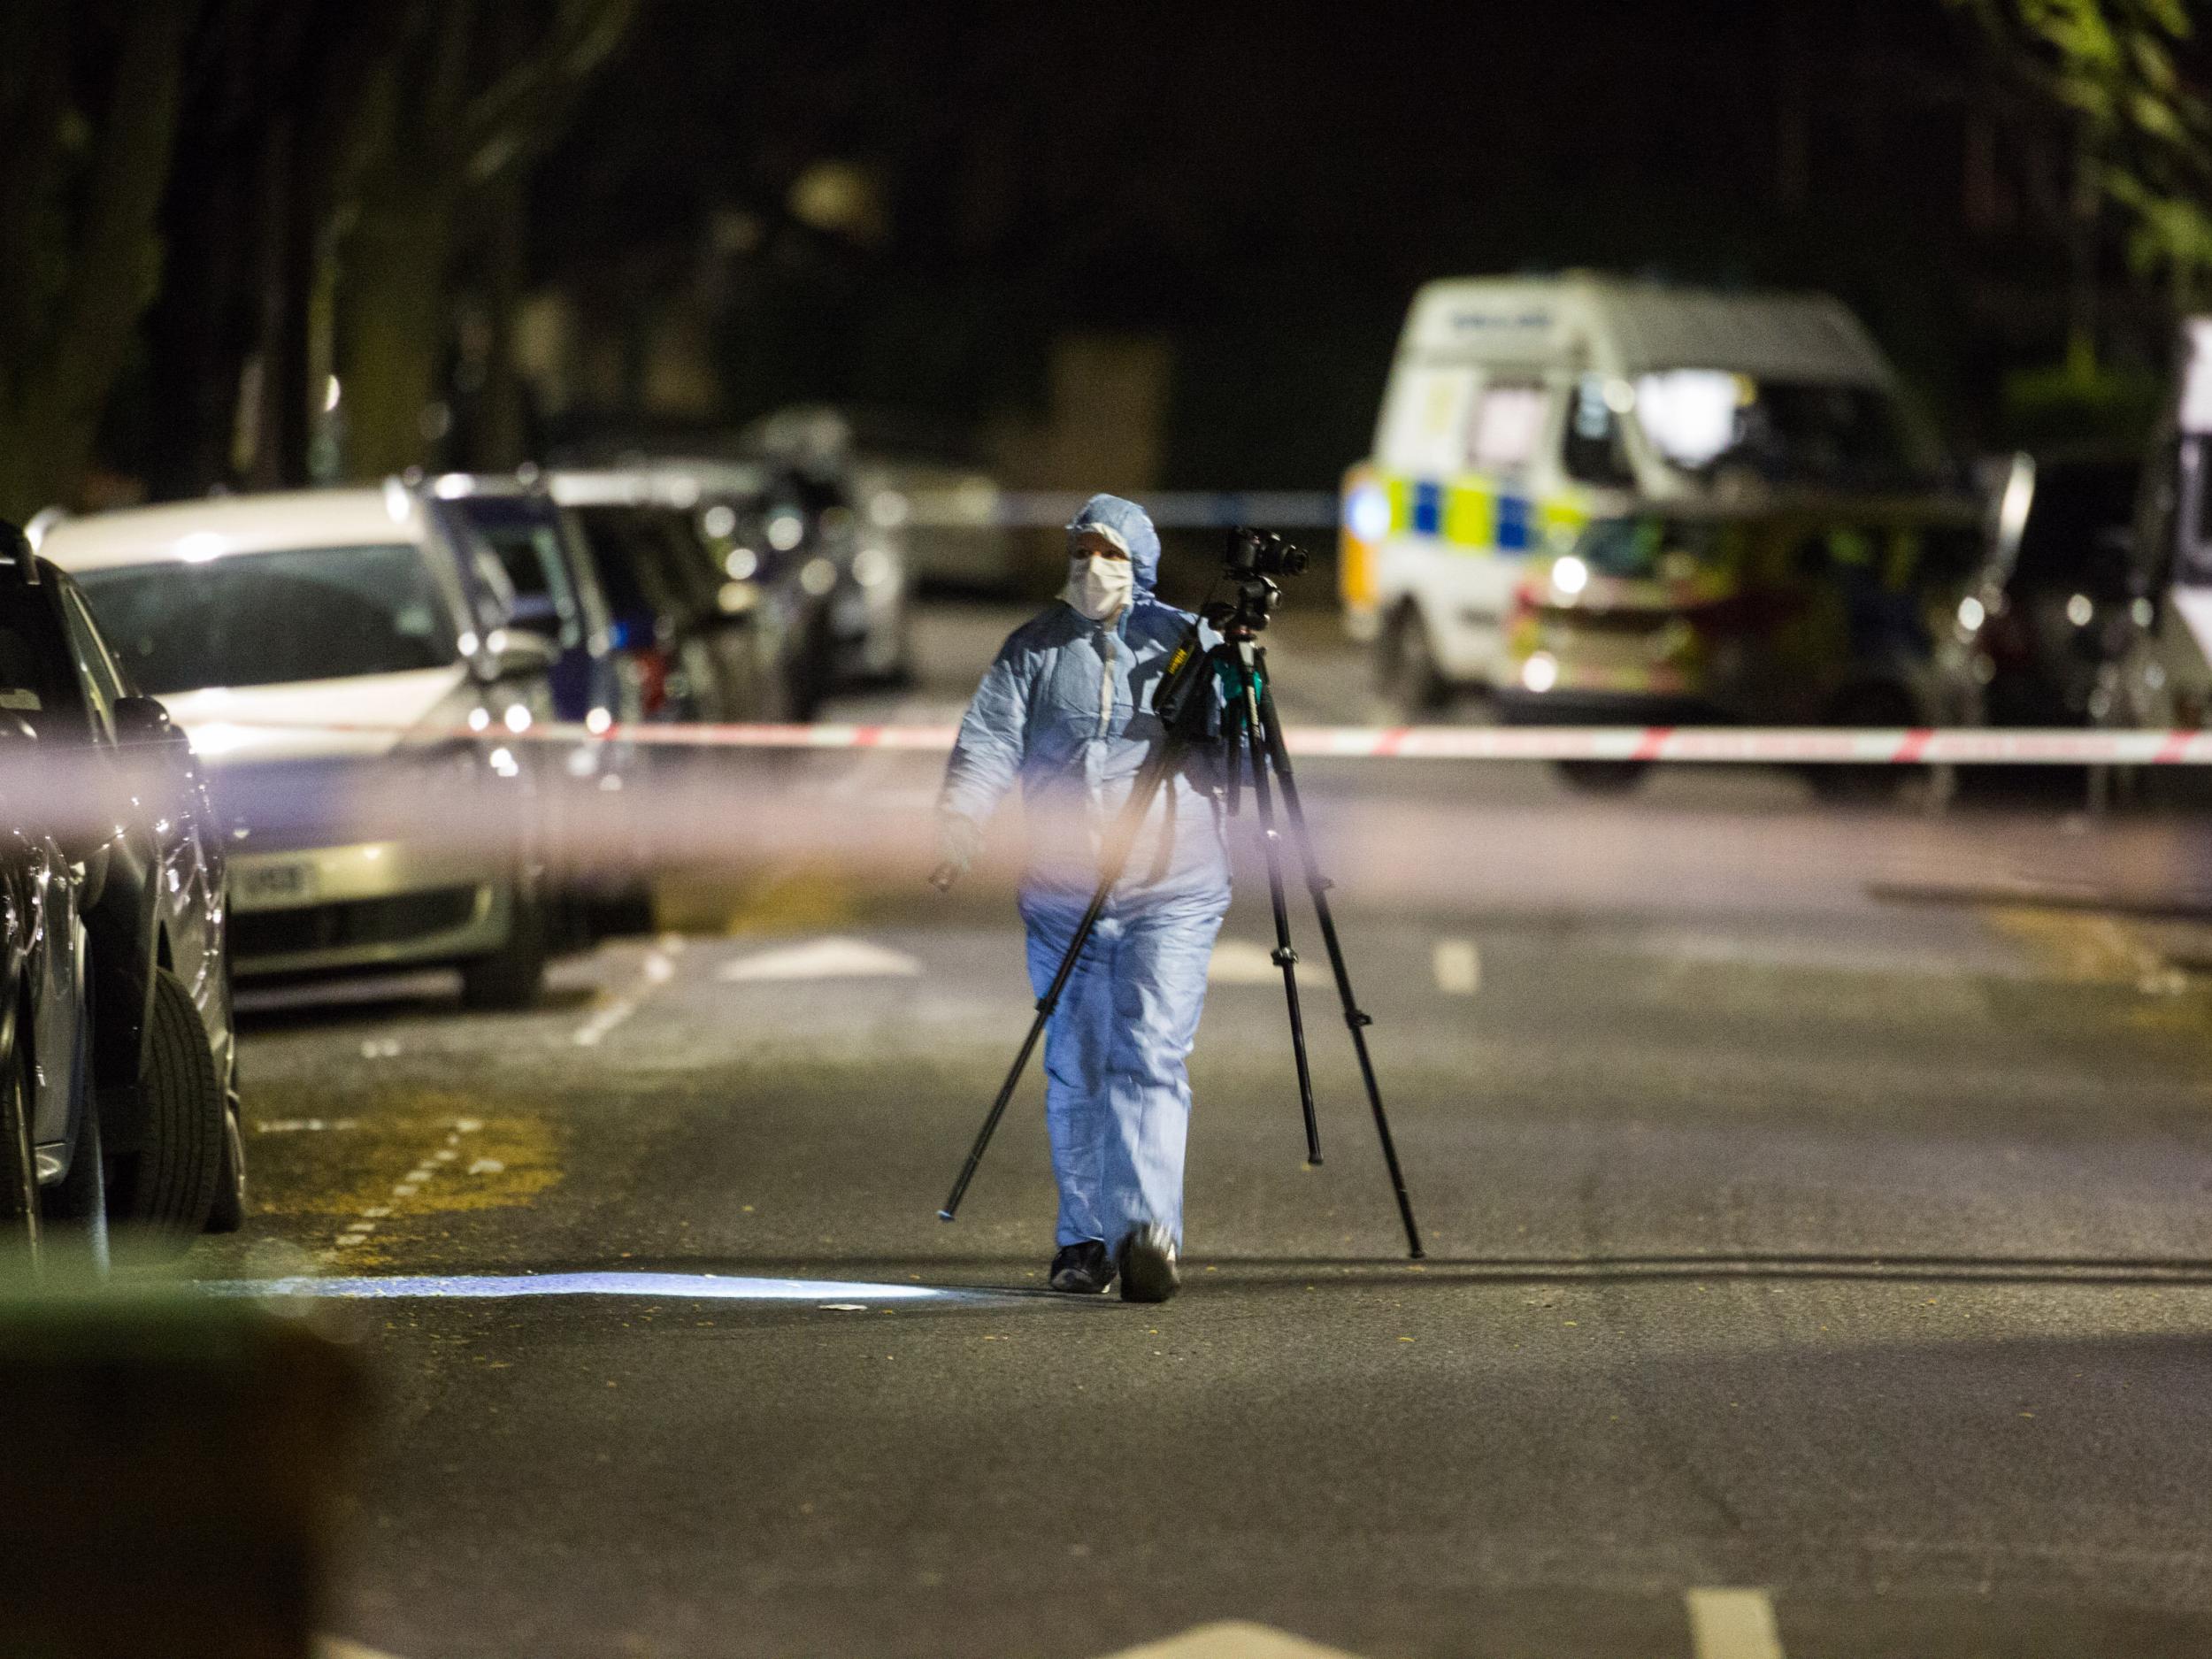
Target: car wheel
x,y
510,977
1602,777
170,1183
229,1211
18,1168
1406,668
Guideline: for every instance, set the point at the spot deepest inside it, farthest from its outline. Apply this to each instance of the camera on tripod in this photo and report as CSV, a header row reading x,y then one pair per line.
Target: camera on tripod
x,y
1261,553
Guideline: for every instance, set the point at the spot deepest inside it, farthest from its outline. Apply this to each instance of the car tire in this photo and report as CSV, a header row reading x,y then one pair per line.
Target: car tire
x,y
511,977
1405,664
18,1166
228,1213
169,1184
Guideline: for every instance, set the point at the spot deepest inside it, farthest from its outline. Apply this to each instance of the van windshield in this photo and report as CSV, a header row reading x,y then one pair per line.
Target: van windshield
x,y
270,618
1714,423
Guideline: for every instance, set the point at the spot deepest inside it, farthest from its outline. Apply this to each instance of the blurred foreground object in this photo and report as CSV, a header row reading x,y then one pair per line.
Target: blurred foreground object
x,y
170,1484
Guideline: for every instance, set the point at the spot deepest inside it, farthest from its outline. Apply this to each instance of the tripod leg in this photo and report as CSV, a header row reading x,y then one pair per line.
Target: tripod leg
x,y
1356,1018
1285,956
1147,786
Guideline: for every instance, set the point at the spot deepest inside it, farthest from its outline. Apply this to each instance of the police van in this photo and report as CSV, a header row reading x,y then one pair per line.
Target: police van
x,y
1573,476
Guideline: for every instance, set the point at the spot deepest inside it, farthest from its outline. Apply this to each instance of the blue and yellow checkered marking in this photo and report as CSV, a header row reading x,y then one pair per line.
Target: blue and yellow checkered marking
x,y
1474,513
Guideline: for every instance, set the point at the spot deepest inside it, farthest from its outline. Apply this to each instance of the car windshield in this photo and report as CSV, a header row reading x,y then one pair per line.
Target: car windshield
x,y
525,536
1713,422
269,619
649,561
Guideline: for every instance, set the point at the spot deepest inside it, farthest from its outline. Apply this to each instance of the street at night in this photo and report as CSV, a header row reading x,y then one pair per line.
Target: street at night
x,y
1786,1231
1139,832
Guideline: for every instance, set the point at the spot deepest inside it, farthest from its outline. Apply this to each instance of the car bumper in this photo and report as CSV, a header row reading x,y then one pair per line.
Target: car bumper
x,y
365,905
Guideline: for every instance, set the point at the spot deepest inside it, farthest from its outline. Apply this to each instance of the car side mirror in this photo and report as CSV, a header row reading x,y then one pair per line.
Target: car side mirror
x,y
143,720
517,654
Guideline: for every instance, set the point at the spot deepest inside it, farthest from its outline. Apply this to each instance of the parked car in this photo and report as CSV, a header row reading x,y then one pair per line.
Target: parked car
x,y
2065,595
558,591
848,522
346,673
118,1060
711,622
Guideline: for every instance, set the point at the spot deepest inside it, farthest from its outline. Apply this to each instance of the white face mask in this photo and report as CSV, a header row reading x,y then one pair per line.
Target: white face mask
x,y
1100,588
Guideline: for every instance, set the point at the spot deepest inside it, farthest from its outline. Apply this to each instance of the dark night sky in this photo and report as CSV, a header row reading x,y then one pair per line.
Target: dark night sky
x,y
1269,184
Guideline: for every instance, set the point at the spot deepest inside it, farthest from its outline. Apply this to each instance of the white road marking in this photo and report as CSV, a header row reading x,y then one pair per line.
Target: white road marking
x,y
380,1048
337,1647
1234,1640
1732,1624
1241,962
1458,967
302,1125
822,959
358,1232
657,969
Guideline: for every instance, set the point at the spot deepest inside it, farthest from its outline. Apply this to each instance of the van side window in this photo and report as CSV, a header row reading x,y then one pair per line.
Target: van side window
x,y
1592,452
1507,420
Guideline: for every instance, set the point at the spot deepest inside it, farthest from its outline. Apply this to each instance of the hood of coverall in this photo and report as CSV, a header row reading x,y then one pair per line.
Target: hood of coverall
x,y
1130,527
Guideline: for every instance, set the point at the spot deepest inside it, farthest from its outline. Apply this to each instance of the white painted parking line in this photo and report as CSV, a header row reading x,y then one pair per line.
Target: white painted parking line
x,y
336,1648
1234,1640
657,969
1732,1624
1458,967
300,1126
821,959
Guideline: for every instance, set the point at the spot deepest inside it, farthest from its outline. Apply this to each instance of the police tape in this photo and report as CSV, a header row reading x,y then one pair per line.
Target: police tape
x,y
1933,746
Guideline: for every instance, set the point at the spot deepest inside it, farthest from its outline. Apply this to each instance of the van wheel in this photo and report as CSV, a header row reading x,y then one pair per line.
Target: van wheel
x,y
19,1168
169,1184
510,978
1602,777
1405,664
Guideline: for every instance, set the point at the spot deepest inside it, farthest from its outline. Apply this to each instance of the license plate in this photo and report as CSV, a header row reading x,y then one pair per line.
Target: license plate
x,y
273,884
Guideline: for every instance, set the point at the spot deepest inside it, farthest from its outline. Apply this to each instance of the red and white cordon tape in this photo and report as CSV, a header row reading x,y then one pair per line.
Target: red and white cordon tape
x,y
1943,746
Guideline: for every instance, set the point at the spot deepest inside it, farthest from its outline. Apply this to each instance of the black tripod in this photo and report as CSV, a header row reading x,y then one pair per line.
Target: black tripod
x,y
1252,731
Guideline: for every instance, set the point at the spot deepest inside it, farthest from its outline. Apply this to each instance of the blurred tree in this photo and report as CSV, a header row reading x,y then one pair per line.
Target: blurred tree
x,y
2145,134
463,95
88,96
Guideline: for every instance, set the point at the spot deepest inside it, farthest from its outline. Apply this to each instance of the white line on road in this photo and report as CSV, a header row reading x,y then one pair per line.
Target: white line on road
x,y
821,959
659,968
1458,967
1732,1624
300,1126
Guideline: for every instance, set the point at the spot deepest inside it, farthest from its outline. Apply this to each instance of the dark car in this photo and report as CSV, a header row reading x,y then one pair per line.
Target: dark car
x,y
119,1055
2065,593
555,587
699,606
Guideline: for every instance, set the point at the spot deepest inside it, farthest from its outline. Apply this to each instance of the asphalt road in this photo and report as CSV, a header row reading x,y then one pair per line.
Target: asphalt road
x,y
1816,1207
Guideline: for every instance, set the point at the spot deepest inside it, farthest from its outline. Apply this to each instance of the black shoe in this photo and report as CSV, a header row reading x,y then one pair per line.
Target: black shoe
x,y
1147,1266
1083,1270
